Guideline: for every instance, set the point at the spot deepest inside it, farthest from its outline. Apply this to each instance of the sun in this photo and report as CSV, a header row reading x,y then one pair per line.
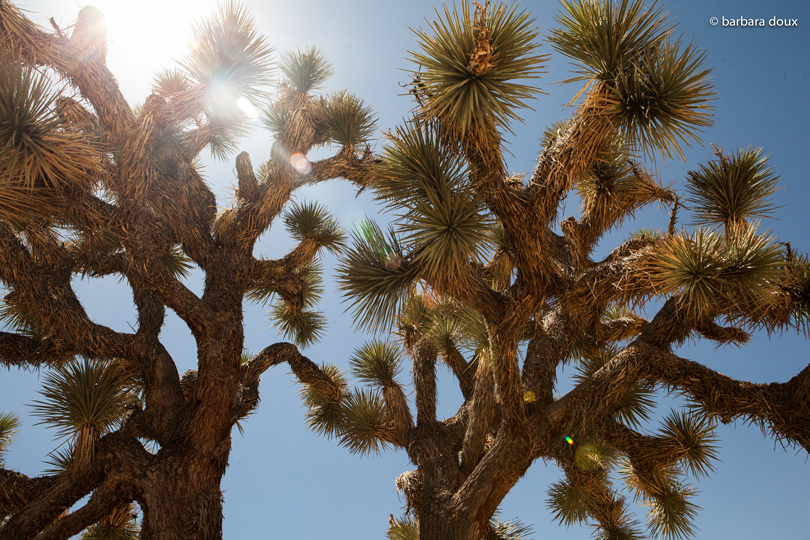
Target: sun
x,y
146,37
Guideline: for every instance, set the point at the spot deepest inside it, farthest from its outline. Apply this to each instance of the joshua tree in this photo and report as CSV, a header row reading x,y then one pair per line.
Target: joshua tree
x,y
90,186
480,271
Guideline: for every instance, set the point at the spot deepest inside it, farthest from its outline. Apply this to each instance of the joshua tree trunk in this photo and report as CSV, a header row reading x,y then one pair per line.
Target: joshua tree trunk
x,y
181,496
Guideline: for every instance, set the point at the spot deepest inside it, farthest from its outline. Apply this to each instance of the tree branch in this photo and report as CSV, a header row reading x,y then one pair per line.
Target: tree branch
x,y
783,407
67,56
423,354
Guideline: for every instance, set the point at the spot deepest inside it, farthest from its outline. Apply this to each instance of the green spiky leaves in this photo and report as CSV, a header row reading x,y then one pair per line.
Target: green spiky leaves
x,y
120,524
445,225
403,529
305,70
375,276
603,37
324,416
229,57
82,400
377,362
671,514
512,529
694,433
304,326
715,274
792,307
311,225
469,65
359,419
350,122
9,425
664,100
364,422
732,191
311,221
568,503
40,155
616,188
657,91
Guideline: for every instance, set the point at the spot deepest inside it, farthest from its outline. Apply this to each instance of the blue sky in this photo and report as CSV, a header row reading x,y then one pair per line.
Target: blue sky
x,y
286,482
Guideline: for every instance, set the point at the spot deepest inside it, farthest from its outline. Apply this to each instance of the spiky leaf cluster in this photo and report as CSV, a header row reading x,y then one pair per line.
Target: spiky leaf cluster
x,y
443,227
616,188
670,514
39,155
323,416
694,433
9,425
171,81
377,363
469,64
82,394
229,57
403,529
375,276
716,275
603,37
304,327
176,261
60,460
297,117
311,274
363,422
306,70
792,307
657,91
568,503
351,123
121,524
311,221
732,191
512,529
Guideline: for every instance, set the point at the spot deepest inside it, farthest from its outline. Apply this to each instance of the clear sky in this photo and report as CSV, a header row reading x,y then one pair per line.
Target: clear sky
x,y
286,482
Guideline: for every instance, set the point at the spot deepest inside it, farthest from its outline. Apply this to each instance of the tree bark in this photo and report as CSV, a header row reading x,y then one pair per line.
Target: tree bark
x,y
181,497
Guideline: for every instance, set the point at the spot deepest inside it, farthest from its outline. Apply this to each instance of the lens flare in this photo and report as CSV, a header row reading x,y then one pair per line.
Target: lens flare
x,y
569,440
247,108
300,163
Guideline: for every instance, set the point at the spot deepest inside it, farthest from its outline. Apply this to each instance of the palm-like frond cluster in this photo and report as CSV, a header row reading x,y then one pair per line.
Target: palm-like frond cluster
x,y
120,525
228,57
473,71
312,222
733,191
301,119
9,425
40,155
469,65
715,275
656,92
376,276
82,400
